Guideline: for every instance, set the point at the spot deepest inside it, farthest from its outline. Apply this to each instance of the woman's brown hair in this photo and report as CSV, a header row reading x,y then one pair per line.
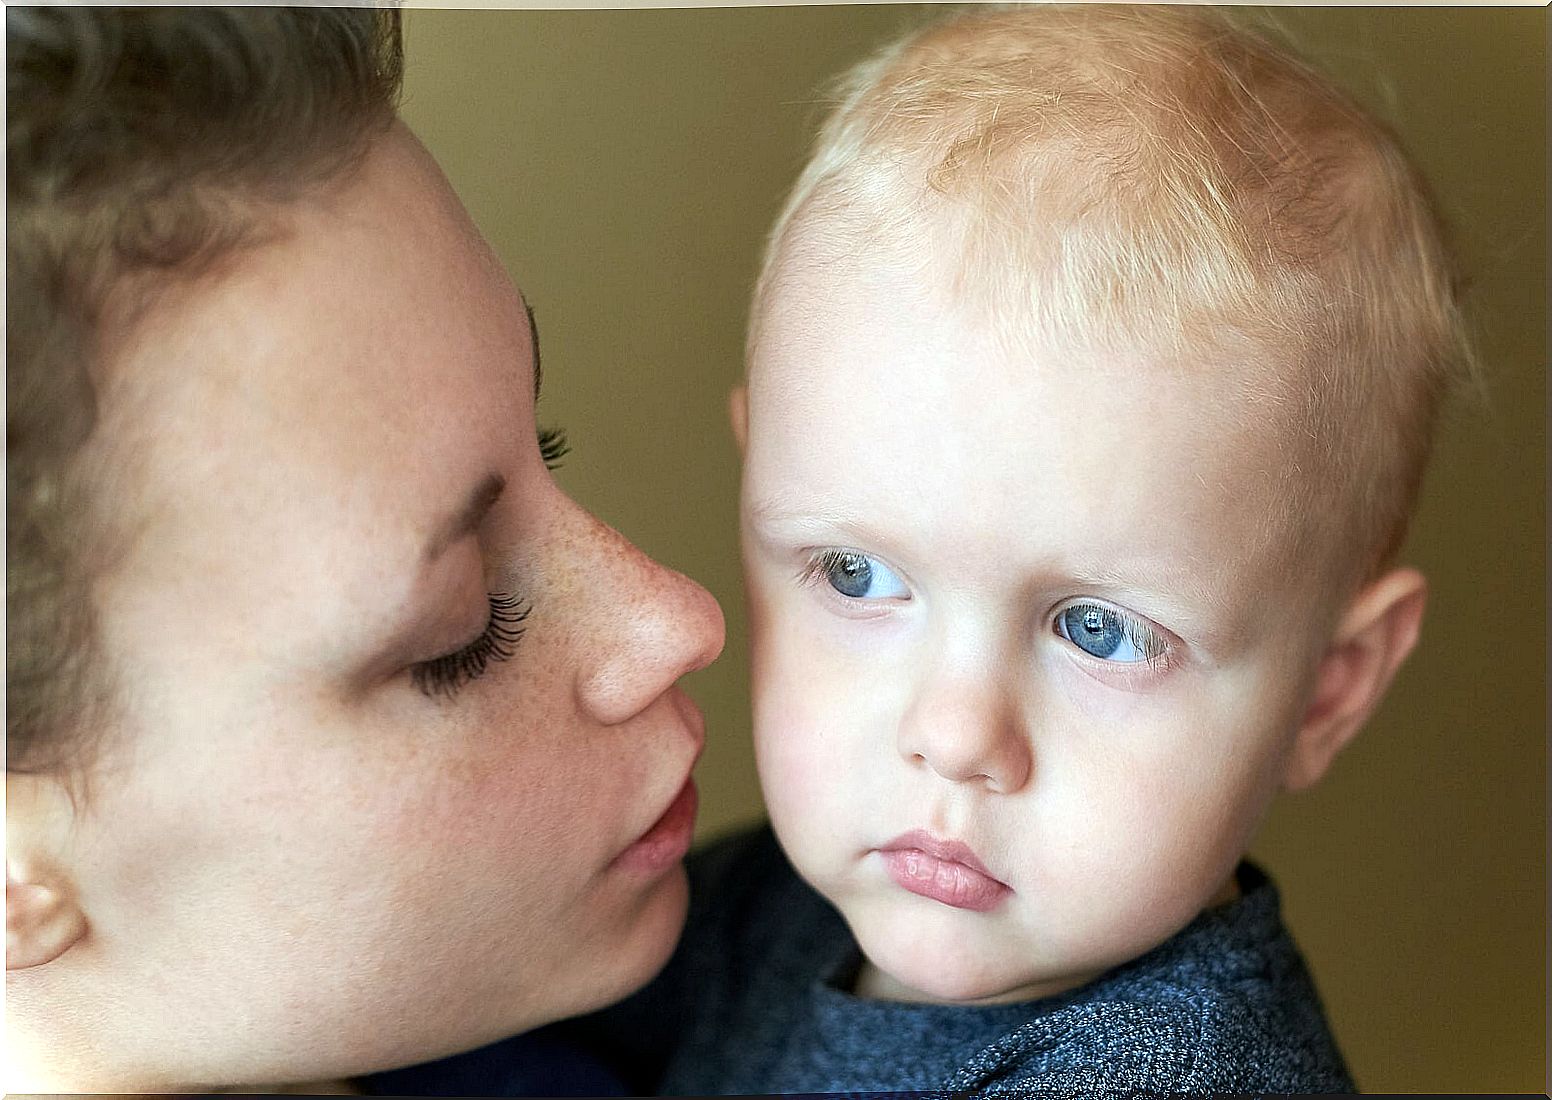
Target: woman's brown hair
x,y
141,145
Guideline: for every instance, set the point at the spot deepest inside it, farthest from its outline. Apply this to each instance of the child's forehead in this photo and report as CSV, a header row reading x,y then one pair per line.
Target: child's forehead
x,y
849,289
1072,181
875,394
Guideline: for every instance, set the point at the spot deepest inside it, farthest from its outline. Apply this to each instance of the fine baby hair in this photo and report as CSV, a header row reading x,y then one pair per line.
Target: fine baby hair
x,y
1166,178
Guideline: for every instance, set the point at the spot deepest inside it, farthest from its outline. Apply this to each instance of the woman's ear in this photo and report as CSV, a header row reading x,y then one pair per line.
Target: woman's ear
x,y
738,415
43,918
1376,633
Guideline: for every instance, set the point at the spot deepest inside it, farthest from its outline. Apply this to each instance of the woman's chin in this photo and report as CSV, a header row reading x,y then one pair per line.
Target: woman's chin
x,y
649,932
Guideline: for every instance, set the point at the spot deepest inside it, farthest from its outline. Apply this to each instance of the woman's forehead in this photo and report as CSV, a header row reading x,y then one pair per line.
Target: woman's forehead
x,y
337,387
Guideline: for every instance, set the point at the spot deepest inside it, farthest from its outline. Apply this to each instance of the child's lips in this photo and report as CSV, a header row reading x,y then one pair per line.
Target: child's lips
x,y
945,871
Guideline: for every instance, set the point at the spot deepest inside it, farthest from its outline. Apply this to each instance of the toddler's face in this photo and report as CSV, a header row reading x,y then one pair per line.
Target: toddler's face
x,y
1024,682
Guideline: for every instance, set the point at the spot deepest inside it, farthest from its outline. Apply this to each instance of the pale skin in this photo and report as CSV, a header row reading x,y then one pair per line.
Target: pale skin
x,y
298,858
929,520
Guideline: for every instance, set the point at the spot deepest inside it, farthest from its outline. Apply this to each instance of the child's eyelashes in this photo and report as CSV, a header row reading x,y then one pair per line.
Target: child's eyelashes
x,y
1111,634
1101,630
444,675
854,575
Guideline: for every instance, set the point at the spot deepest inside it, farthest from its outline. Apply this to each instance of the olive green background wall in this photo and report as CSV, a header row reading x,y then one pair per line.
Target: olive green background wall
x,y
625,164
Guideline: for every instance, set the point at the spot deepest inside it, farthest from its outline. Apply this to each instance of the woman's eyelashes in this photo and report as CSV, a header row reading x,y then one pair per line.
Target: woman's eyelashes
x,y
443,676
855,575
1111,634
553,446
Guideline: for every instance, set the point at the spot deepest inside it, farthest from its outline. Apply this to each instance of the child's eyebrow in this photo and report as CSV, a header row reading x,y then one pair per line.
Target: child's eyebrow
x,y
1210,607
774,519
773,512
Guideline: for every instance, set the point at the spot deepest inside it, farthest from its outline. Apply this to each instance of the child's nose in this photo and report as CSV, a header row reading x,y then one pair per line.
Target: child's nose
x,y
968,730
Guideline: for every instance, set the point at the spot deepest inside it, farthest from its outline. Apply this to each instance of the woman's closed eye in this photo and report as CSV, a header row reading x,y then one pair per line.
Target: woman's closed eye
x,y
444,675
1111,634
855,575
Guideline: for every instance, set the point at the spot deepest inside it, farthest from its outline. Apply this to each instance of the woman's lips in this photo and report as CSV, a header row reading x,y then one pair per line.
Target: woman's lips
x,y
944,870
667,841
668,838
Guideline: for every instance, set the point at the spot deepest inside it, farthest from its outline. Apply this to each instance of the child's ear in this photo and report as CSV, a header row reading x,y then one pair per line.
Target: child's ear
x,y
1375,634
43,918
738,415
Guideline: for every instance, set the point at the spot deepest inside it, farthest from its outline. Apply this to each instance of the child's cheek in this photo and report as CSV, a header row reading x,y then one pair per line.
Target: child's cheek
x,y
789,750
822,722
799,740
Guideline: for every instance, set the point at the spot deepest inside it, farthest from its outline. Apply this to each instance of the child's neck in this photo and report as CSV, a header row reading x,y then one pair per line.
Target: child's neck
x,y
875,985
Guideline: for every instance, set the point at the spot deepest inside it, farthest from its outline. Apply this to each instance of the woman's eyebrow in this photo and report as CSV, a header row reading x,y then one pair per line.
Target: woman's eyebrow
x,y
533,335
467,518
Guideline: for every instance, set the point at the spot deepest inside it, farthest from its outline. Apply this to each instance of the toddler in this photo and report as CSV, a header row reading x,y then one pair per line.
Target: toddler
x,y
1091,376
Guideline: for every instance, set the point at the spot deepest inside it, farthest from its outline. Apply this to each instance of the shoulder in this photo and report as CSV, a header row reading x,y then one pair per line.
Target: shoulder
x,y
1157,1047
746,901
540,1063
736,884
741,862
1226,1005
1235,982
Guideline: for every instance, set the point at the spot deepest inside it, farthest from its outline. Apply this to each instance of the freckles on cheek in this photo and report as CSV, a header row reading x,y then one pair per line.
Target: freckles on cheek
x,y
458,803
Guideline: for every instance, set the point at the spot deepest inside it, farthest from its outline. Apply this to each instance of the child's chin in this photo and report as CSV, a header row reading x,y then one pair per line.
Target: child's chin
x,y
915,971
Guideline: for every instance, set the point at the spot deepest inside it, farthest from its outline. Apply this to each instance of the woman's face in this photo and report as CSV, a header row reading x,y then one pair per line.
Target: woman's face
x,y
395,713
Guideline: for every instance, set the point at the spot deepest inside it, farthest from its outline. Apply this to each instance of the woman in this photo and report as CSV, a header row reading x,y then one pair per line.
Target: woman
x,y
339,738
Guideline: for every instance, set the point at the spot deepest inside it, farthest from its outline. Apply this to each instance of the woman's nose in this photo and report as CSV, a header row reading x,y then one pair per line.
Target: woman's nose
x,y
649,626
968,730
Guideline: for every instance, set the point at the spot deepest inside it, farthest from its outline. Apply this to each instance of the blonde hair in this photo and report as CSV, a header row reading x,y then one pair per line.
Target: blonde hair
x,y
1163,178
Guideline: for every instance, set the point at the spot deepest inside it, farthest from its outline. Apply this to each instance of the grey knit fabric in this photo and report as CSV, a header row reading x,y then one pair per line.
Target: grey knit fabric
x,y
755,1001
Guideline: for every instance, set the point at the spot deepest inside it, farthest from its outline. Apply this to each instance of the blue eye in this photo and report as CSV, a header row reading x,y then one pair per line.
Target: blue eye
x,y
1109,634
859,577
